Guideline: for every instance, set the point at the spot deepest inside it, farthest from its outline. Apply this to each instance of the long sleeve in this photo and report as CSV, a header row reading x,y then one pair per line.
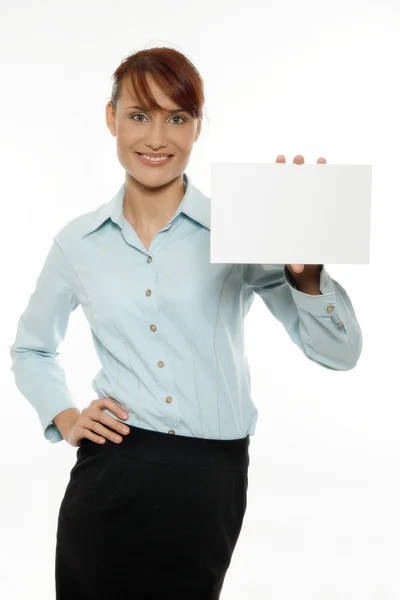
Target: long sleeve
x,y
324,327
41,329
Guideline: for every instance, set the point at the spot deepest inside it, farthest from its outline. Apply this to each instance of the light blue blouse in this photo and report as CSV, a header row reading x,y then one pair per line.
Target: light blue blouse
x,y
167,325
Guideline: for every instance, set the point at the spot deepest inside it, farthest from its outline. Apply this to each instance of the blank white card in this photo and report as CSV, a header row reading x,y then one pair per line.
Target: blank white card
x,y
283,213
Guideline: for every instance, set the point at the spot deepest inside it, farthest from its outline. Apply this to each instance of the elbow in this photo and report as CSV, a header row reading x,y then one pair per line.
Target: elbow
x,y
356,350
344,357
351,357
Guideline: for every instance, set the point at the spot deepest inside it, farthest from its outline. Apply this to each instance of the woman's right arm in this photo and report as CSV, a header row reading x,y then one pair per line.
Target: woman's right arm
x,y
41,328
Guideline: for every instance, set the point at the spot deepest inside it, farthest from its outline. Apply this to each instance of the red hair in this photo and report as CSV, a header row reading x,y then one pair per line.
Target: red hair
x,y
173,72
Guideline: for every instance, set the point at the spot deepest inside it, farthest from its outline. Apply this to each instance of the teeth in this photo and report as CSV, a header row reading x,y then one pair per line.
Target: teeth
x,y
158,158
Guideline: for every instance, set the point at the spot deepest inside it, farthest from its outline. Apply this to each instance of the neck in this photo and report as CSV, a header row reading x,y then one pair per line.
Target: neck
x,y
150,209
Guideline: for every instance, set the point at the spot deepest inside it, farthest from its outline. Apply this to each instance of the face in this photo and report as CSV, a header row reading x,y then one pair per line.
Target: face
x,y
159,132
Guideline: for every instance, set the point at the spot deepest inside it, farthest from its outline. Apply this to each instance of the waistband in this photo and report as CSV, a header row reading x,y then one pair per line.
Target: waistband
x,y
179,450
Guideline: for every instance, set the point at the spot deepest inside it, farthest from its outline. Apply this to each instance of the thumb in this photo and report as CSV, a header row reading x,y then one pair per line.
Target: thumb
x,y
298,268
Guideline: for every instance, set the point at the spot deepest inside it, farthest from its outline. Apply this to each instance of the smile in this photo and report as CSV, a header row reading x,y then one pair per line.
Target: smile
x,y
154,161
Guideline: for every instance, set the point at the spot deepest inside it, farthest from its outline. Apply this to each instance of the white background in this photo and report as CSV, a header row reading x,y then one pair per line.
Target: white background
x,y
313,78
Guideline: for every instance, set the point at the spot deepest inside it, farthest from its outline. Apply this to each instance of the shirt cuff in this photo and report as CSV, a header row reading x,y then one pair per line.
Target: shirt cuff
x,y
315,304
49,410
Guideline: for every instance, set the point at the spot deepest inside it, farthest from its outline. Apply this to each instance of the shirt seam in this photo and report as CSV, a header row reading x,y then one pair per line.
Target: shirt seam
x,y
79,282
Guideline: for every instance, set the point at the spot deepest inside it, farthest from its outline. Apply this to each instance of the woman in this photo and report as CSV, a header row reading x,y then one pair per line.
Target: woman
x,y
157,496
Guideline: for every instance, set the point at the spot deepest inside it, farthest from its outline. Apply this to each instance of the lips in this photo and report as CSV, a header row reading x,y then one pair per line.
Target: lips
x,y
154,163
141,154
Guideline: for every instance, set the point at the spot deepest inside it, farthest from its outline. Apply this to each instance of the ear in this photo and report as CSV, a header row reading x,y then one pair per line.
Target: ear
x,y
110,119
198,131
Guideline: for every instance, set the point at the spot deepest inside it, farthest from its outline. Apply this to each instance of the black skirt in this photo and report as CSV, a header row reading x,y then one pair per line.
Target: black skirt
x,y
156,516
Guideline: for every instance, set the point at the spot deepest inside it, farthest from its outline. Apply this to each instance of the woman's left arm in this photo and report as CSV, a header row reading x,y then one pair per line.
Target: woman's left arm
x,y
324,326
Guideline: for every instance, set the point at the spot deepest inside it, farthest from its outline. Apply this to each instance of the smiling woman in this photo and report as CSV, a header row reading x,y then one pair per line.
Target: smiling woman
x,y
163,510
156,512
155,112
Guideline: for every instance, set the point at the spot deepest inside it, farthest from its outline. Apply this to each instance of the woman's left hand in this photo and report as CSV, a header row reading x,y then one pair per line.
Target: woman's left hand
x,y
308,271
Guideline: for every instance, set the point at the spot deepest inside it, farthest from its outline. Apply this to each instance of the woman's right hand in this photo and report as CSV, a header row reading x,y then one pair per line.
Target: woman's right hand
x,y
93,423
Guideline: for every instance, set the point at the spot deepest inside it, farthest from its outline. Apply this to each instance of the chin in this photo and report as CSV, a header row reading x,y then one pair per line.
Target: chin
x,y
154,177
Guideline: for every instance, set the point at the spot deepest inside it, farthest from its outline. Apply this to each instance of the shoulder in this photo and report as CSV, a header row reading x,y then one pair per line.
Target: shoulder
x,y
73,231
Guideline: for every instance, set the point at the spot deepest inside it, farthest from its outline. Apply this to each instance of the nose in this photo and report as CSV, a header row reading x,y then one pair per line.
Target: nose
x,y
157,136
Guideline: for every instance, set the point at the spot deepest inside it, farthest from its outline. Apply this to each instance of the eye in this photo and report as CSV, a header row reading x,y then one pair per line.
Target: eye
x,y
183,119
136,115
179,117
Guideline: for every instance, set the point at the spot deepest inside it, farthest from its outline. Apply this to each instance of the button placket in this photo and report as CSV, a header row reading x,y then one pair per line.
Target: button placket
x,y
160,363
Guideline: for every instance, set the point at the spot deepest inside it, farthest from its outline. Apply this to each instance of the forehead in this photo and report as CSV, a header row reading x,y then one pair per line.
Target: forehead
x,y
129,97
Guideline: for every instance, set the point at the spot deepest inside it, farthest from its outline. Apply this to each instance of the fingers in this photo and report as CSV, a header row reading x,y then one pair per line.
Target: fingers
x,y
102,423
106,433
87,433
114,424
110,405
299,160
110,430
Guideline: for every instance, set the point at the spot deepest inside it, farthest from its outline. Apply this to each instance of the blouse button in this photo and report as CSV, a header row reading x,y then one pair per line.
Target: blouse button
x,y
330,308
160,363
168,399
171,431
153,327
149,259
148,292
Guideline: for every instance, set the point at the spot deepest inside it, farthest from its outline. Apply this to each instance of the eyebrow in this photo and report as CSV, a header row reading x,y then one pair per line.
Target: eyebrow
x,y
175,110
